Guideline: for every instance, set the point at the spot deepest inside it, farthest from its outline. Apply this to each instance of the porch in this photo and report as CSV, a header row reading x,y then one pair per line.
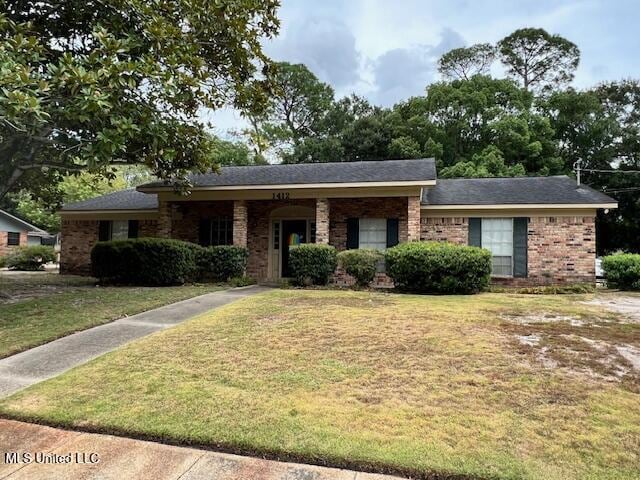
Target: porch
x,y
269,227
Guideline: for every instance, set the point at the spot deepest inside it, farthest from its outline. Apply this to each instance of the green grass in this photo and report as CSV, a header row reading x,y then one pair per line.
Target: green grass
x,y
41,308
417,385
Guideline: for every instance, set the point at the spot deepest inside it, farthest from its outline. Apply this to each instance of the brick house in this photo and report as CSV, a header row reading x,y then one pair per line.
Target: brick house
x,y
15,232
541,230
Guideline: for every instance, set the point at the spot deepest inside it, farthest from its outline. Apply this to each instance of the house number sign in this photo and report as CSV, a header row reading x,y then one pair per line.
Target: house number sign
x,y
280,196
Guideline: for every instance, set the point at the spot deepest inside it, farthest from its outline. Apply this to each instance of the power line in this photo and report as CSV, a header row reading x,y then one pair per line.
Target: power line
x,y
608,171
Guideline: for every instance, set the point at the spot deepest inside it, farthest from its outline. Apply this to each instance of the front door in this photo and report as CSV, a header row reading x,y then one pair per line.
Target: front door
x,y
294,232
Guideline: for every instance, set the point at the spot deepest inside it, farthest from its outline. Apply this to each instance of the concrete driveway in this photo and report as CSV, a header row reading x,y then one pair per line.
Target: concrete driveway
x,y
117,458
51,359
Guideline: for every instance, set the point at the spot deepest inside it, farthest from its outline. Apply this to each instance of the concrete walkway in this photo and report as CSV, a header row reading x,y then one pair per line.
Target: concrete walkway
x,y
119,458
51,359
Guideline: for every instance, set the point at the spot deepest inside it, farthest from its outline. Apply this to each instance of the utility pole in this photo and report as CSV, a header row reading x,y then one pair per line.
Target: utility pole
x,y
576,166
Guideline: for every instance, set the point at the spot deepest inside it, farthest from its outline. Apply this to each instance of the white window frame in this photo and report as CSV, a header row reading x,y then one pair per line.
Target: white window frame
x,y
484,230
371,225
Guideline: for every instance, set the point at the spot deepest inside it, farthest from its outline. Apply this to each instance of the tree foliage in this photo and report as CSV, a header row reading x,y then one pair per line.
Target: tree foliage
x,y
538,59
465,62
88,84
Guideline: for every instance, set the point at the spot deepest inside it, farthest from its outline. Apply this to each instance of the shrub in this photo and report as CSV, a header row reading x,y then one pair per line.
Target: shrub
x,y
3,262
30,258
312,264
431,267
241,281
221,263
361,264
144,261
622,271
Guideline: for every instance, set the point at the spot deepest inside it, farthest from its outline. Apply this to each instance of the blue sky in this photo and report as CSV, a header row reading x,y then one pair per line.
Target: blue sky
x,y
387,50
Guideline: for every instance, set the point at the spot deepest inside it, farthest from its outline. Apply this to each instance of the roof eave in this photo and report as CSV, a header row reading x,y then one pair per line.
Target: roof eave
x,y
505,206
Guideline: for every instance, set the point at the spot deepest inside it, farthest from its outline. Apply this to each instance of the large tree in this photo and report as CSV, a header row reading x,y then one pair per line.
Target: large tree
x,y
538,59
86,84
465,62
297,107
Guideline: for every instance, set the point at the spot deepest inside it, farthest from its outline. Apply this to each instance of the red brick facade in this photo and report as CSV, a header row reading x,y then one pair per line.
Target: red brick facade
x,y
561,249
5,249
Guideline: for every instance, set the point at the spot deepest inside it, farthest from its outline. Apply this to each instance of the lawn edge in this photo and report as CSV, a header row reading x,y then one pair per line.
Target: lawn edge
x,y
263,453
71,332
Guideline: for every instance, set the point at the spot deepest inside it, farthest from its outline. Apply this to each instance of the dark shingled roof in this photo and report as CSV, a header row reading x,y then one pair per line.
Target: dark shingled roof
x,y
512,191
306,173
122,200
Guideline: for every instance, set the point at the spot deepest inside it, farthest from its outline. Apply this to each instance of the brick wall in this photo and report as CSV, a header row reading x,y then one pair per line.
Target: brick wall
x,y
444,229
385,207
4,248
78,238
186,216
259,212
560,249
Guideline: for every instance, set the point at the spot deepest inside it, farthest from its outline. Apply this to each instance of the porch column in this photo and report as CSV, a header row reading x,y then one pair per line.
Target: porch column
x,y
164,219
322,220
413,219
240,223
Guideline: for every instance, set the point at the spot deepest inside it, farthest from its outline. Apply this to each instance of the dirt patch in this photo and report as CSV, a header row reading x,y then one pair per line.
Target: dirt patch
x,y
625,305
531,319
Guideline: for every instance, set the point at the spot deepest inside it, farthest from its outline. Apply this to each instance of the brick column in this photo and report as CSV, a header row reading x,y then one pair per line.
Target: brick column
x,y
240,223
164,219
322,220
413,219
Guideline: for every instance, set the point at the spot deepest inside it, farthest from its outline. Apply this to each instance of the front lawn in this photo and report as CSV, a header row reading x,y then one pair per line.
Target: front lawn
x,y
38,308
486,386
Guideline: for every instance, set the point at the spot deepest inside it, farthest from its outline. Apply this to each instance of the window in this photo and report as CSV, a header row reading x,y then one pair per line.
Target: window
x,y
373,233
13,238
217,231
117,230
497,237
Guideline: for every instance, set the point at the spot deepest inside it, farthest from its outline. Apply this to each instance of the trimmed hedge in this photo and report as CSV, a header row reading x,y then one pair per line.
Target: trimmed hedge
x,y
622,271
163,261
361,264
30,258
312,263
144,261
220,263
434,267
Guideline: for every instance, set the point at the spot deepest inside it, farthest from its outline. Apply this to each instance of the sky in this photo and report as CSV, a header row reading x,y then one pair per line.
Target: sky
x,y
387,50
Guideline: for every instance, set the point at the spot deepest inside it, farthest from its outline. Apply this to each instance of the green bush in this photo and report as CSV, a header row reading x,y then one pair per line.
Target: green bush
x,y
3,262
312,264
30,258
432,267
241,281
361,264
144,261
221,263
622,271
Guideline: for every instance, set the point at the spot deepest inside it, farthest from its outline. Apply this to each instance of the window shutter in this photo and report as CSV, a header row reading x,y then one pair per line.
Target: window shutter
x,y
520,248
104,230
353,233
475,232
204,233
133,229
392,232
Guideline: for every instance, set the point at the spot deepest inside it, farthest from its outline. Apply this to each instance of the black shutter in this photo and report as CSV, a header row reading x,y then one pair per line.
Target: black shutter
x,y
104,230
392,232
133,229
204,233
475,232
520,238
353,233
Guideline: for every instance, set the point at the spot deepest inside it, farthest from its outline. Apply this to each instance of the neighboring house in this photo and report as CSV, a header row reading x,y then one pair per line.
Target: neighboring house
x,y
540,229
15,232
